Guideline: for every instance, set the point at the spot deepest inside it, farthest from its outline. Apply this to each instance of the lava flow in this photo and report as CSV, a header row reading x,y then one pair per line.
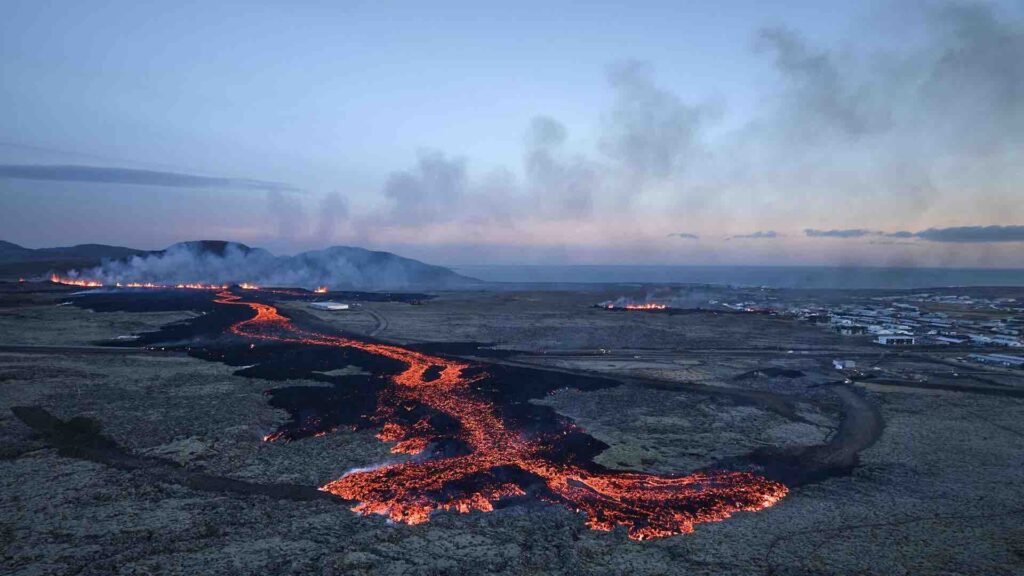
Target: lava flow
x,y
499,461
76,282
648,306
644,306
84,283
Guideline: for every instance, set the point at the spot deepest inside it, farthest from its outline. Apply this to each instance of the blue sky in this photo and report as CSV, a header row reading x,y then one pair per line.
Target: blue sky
x,y
535,132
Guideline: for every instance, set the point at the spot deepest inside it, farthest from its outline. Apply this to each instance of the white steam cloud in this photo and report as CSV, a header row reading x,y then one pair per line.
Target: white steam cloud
x,y
340,268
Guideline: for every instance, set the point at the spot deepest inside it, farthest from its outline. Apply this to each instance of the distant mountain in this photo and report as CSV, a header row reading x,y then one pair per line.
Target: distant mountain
x,y
370,268
10,252
212,247
218,261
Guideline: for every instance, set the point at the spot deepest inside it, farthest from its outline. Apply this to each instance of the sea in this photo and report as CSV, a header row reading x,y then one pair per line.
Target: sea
x,y
812,277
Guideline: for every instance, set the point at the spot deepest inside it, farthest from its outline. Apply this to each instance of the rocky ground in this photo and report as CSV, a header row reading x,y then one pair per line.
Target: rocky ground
x,y
937,493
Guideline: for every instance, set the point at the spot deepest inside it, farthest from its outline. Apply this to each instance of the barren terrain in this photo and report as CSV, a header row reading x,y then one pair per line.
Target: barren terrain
x,y
912,477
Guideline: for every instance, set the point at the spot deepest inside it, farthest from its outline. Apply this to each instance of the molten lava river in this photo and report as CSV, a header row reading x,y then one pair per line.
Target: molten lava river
x,y
498,460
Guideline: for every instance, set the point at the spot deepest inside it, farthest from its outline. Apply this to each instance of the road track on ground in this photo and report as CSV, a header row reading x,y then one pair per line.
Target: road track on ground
x,y
382,321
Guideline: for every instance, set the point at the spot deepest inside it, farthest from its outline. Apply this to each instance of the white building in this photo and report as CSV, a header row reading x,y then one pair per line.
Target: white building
x,y
1006,341
329,306
895,340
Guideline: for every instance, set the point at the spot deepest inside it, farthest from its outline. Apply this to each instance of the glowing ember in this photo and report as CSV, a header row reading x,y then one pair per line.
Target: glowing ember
x,y
321,290
502,461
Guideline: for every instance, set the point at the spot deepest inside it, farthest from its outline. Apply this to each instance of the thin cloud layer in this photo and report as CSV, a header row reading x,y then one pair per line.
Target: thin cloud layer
x,y
973,234
130,176
759,235
955,234
847,233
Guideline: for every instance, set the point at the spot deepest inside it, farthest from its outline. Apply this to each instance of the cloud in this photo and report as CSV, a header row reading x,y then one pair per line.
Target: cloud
x,y
130,176
332,214
956,234
973,234
430,192
760,234
561,186
843,131
649,131
546,132
847,233
684,236
818,94
976,81
286,214
888,134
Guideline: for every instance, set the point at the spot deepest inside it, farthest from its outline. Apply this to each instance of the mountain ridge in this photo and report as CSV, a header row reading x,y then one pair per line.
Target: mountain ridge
x,y
218,261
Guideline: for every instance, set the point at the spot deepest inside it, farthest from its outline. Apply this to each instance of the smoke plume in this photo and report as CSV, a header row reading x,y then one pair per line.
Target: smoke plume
x,y
340,268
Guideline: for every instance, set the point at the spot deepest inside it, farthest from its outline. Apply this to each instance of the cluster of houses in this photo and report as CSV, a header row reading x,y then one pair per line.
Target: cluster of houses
x,y
899,321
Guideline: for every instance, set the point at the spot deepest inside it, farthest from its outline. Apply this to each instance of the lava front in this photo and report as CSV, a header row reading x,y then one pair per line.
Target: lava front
x,y
500,461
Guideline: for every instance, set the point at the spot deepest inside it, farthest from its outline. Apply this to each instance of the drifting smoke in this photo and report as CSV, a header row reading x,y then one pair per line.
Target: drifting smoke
x,y
340,267
908,126
913,124
688,298
651,132
333,214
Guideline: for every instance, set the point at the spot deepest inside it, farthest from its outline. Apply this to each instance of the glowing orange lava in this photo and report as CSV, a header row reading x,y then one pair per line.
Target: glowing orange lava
x,y
56,279
320,290
646,306
201,286
649,306
75,282
648,505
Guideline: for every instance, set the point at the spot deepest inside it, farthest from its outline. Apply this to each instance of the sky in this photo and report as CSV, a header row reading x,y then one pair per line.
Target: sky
x,y
730,132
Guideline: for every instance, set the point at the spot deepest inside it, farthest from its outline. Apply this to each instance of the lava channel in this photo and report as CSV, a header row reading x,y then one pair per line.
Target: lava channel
x,y
500,462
